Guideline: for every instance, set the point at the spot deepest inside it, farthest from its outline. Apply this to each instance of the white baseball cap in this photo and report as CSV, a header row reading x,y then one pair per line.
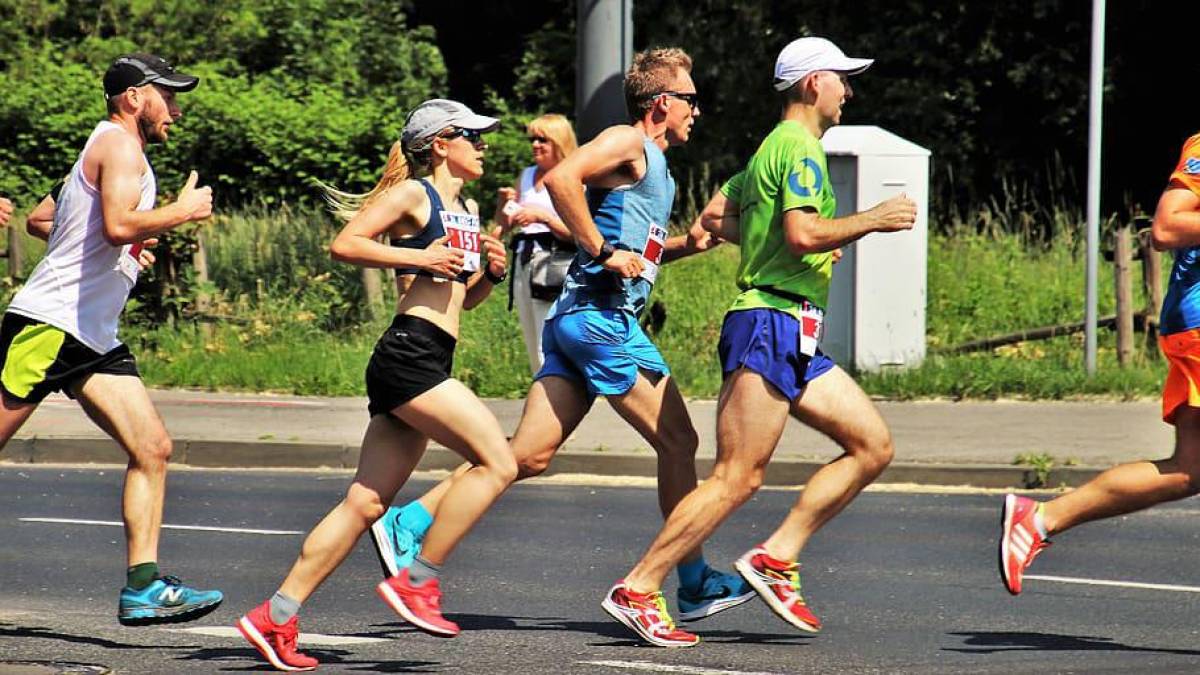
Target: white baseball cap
x,y
434,115
810,54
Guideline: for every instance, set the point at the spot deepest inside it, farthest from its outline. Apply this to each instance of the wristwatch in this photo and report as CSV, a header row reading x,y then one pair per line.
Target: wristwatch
x,y
606,251
496,280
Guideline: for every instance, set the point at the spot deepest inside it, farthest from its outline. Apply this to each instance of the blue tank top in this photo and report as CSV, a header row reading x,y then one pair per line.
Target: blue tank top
x,y
631,218
1181,306
434,230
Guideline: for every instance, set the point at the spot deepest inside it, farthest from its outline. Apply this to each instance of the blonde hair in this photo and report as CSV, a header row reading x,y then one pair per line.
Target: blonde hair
x,y
651,73
346,205
556,128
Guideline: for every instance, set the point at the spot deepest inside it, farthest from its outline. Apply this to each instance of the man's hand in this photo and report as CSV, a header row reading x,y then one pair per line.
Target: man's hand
x,y
895,215
837,255
529,215
497,257
196,202
443,261
625,263
700,240
145,257
6,210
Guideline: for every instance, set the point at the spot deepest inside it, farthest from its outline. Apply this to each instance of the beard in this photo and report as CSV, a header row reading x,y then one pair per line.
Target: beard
x,y
150,130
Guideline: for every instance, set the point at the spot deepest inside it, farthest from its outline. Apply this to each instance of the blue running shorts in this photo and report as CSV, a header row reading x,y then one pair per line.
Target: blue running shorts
x,y
767,342
600,348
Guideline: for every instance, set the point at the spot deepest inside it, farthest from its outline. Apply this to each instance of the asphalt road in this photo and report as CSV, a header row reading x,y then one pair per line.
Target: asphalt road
x,y
904,583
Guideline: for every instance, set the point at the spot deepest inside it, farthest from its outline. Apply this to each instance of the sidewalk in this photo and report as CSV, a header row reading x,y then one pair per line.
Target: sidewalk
x,y
937,442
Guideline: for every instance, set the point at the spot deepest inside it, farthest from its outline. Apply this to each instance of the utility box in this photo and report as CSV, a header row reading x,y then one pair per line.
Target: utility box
x,y
876,314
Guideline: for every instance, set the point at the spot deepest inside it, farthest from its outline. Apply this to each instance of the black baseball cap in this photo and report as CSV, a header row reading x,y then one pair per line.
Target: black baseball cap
x,y
135,70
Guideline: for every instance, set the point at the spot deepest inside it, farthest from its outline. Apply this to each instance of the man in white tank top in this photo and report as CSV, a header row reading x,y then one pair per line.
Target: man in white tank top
x,y
60,331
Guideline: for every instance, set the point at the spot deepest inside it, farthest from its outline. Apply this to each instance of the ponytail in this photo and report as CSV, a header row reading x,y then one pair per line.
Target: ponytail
x,y
345,205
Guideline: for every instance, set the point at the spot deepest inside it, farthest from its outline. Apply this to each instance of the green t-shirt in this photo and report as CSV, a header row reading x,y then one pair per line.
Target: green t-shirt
x,y
787,172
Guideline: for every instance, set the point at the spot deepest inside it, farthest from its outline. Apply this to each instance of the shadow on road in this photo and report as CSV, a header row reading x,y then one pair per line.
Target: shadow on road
x,y
990,642
8,630
247,660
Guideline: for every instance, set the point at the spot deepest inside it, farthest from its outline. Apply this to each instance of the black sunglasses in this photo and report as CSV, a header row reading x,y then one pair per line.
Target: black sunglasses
x,y
472,136
538,139
689,97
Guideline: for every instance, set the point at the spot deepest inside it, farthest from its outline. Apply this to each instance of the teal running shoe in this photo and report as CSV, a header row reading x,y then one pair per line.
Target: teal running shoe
x,y
396,545
718,592
165,600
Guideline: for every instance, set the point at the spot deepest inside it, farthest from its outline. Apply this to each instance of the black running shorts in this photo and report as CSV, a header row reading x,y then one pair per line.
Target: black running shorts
x,y
40,358
411,357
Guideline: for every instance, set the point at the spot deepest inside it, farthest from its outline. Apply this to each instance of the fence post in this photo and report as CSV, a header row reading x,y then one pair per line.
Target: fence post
x,y
1123,278
203,301
16,258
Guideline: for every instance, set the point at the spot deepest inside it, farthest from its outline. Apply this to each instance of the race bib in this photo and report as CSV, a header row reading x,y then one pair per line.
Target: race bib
x,y
128,262
812,322
652,252
463,229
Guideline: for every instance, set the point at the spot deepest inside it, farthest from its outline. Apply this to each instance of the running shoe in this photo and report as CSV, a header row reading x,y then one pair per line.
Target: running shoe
x,y
419,605
646,614
396,545
275,642
718,592
778,584
165,600
1020,542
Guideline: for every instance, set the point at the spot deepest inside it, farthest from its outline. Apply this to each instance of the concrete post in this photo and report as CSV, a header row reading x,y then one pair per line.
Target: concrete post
x,y
604,49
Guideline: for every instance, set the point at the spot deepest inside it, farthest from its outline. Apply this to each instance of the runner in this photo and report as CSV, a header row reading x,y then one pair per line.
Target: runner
x,y
1025,523
6,210
592,342
60,331
769,355
444,265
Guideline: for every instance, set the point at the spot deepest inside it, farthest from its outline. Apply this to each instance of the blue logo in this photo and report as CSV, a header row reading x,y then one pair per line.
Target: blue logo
x,y
801,187
1192,166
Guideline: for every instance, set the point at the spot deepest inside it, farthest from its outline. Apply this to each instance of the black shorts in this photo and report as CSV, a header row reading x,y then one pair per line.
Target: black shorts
x,y
40,358
411,357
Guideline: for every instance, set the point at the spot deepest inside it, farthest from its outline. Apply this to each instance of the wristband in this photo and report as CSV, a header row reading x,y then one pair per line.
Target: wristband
x,y
496,280
606,252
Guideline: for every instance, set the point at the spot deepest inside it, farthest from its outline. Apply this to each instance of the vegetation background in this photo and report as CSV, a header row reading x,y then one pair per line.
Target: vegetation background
x,y
296,90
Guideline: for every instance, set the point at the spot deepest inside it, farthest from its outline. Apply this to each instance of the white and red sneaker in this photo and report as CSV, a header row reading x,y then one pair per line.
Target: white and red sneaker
x,y
778,584
419,605
646,614
1020,541
276,643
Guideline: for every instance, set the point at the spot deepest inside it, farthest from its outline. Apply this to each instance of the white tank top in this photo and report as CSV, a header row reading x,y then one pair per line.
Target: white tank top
x,y
83,282
531,197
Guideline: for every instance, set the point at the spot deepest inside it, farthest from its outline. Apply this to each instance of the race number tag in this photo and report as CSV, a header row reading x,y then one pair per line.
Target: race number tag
x,y
463,229
128,262
510,208
652,252
812,321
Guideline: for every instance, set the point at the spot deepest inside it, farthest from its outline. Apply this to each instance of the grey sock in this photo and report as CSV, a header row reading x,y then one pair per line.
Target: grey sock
x,y
283,608
422,570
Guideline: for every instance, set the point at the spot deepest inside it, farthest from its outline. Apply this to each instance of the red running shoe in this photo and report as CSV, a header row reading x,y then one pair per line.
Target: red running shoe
x,y
1020,542
418,605
646,614
276,643
778,584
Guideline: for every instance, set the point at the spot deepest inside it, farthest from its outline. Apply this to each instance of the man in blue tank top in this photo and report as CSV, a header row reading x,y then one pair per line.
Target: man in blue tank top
x,y
592,342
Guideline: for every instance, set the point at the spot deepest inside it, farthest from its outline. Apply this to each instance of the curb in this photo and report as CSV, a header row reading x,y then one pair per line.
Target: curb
x,y
268,454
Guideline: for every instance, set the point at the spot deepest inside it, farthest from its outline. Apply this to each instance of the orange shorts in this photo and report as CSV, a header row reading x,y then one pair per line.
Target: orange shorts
x,y
1183,379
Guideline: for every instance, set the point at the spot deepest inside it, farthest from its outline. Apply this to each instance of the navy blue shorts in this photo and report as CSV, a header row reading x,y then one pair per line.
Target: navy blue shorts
x,y
767,341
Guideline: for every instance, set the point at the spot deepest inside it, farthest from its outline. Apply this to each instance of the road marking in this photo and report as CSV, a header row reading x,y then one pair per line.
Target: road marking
x,y
307,639
201,528
1123,584
650,666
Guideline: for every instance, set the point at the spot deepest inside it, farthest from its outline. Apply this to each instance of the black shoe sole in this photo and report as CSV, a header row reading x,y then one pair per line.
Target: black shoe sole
x,y
182,617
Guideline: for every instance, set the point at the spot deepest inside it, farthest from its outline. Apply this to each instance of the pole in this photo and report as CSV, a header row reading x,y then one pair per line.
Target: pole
x,y
604,50
1123,279
1096,99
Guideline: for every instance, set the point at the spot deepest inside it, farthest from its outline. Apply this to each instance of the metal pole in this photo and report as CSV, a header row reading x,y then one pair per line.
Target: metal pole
x,y
1096,98
604,49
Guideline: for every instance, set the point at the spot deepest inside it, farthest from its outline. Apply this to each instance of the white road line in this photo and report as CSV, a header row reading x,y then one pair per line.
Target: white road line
x,y
201,528
650,666
305,639
1123,584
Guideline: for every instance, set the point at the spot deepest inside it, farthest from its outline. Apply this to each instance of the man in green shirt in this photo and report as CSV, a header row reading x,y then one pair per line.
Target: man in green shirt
x,y
781,210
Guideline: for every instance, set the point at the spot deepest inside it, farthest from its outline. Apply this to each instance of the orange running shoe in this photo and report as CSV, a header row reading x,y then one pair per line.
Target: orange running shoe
x,y
276,643
1020,541
646,614
778,584
419,605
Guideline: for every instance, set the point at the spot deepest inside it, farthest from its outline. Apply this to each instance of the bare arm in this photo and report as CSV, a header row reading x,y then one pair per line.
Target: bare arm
x,y
807,232
1176,220
358,242
697,240
479,287
119,171
41,218
6,210
721,218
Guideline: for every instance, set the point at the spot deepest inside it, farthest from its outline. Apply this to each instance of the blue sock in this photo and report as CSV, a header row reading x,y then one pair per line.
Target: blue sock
x,y
415,518
691,574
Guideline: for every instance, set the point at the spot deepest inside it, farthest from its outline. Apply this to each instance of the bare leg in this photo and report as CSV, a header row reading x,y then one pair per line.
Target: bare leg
x,y
834,405
1134,486
553,409
120,405
13,415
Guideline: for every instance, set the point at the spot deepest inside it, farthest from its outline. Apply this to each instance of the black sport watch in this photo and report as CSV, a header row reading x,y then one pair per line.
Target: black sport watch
x,y
496,280
606,252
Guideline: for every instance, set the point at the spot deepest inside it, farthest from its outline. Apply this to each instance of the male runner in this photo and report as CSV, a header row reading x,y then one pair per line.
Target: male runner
x,y
592,341
6,210
60,331
768,349
1025,523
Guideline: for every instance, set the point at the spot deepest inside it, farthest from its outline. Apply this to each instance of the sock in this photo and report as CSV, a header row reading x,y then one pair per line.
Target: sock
x,y
422,571
415,518
283,608
691,574
1039,521
141,575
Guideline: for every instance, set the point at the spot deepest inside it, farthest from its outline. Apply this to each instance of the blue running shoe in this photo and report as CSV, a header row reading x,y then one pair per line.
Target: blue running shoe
x,y
396,545
165,600
718,592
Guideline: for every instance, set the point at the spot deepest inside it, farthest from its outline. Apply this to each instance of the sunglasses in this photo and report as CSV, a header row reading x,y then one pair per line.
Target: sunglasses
x,y
689,97
472,136
538,139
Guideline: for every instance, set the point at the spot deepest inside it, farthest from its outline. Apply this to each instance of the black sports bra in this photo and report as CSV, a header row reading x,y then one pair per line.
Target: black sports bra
x,y
435,229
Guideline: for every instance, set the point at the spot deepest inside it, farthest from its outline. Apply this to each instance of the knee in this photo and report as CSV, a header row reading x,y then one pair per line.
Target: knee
x,y
365,504
738,484
533,466
876,453
502,466
679,444
154,452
